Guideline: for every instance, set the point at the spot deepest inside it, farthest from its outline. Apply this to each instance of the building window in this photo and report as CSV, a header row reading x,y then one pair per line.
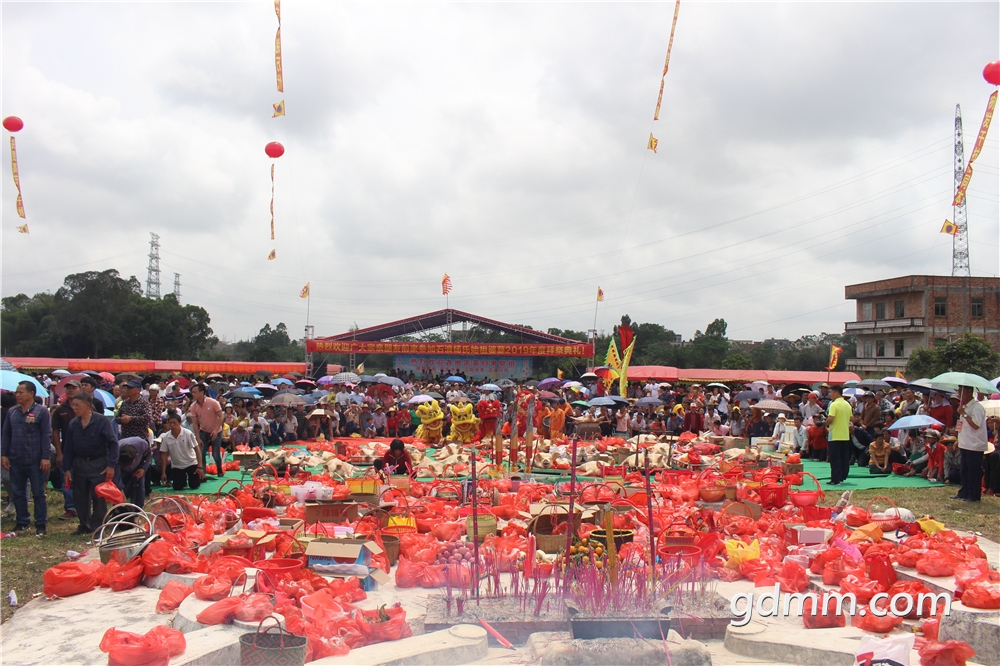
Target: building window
x,y
900,310
866,312
880,347
977,307
868,349
880,310
897,348
940,307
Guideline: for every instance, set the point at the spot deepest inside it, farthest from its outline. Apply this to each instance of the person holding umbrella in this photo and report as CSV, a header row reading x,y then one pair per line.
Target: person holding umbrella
x,y
972,438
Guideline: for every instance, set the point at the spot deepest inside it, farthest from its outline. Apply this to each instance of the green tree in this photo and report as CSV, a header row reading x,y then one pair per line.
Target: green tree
x,y
737,361
708,349
969,353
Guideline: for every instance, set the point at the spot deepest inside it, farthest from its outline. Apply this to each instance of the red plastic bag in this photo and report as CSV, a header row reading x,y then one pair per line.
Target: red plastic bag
x,y
320,645
347,590
120,577
221,612
929,628
880,568
69,578
828,555
813,618
982,595
949,653
914,588
408,574
877,625
176,643
448,531
161,556
969,573
125,648
212,588
109,491
376,628
793,459
227,567
255,608
863,588
936,563
171,596
792,578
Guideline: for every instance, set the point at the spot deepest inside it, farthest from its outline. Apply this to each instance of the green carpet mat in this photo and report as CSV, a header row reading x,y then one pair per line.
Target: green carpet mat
x,y
859,479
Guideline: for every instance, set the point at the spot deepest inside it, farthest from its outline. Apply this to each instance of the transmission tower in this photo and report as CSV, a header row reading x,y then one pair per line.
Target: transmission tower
x,y
960,241
177,286
153,272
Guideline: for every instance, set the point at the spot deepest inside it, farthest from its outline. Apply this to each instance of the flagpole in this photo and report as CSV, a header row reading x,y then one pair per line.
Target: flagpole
x,y
593,357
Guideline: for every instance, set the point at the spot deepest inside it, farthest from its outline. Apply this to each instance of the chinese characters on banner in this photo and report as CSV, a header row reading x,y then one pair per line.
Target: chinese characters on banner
x,y
476,367
580,350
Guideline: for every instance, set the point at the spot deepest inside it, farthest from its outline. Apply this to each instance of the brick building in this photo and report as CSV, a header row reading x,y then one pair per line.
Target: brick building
x,y
898,315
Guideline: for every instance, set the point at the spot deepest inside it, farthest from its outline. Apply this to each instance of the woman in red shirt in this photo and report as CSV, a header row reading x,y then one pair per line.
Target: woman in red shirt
x,y
817,441
397,458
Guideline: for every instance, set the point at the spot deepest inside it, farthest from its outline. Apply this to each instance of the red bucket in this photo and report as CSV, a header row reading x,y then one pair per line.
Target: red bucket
x,y
688,554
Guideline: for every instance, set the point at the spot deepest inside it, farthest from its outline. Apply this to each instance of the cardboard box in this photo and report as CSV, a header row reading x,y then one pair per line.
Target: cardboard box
x,y
734,443
792,468
800,535
291,524
331,512
373,580
341,551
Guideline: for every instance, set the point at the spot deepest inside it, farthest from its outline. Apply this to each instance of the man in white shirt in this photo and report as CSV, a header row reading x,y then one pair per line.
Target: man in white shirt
x,y
810,408
184,455
343,396
652,389
972,438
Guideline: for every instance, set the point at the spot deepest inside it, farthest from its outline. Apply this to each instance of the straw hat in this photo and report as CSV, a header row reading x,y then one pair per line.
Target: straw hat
x,y
316,412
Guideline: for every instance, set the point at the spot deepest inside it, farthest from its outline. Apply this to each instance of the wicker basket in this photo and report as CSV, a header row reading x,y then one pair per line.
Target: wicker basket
x,y
809,497
261,648
391,543
487,525
548,542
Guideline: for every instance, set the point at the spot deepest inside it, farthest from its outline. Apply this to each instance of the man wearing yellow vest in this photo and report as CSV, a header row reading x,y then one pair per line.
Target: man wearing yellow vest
x,y
839,423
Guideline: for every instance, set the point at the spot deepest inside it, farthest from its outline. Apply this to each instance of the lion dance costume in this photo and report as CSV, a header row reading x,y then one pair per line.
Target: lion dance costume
x,y
431,422
489,412
464,424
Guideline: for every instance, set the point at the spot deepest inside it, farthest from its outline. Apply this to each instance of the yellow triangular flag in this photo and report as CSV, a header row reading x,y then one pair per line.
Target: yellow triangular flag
x,y
360,369
305,291
23,229
271,256
949,227
279,109
652,143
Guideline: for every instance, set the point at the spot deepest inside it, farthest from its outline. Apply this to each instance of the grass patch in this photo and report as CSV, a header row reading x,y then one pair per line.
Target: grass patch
x,y
982,517
23,559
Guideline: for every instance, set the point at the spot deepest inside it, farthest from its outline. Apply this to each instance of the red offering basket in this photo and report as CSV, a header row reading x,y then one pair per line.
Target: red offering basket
x,y
773,495
808,497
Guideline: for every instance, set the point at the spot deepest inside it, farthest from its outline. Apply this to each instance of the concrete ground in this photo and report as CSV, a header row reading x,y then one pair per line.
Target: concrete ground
x,y
68,631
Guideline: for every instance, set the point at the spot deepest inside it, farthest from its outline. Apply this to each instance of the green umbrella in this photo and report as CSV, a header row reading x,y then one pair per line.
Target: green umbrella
x,y
957,379
580,403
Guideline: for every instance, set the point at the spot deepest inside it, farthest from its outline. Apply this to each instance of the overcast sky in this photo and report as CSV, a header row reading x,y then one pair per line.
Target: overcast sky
x,y
802,147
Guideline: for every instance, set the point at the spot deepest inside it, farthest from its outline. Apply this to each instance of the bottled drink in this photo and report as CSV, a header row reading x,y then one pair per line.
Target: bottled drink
x,y
842,503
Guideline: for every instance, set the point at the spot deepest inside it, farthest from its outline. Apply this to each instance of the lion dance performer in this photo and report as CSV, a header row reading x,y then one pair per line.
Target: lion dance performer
x,y
464,424
431,422
525,408
489,411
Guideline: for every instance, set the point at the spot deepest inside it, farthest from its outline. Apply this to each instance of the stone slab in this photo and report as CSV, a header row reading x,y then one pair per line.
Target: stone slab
x,y
185,619
212,646
69,631
462,644
978,628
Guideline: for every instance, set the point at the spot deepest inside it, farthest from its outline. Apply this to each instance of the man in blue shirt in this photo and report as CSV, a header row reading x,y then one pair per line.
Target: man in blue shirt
x,y
25,448
89,454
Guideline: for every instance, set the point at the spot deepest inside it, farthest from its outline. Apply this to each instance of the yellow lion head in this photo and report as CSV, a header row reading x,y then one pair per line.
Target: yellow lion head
x,y
462,413
429,412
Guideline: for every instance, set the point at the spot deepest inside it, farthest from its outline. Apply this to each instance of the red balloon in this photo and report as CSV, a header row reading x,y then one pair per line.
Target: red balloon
x,y
274,149
991,73
13,124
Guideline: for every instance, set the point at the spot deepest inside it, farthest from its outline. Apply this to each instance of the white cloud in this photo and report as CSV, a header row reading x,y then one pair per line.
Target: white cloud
x,y
803,146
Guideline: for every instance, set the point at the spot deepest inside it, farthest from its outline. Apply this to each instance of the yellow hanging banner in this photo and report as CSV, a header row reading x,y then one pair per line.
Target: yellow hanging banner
x,y
985,127
666,64
17,179
277,60
964,185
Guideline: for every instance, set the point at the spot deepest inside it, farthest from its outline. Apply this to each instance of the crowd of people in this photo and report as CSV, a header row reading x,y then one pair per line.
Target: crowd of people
x,y
170,435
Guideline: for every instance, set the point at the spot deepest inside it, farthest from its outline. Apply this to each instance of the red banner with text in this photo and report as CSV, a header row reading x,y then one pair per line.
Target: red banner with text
x,y
448,348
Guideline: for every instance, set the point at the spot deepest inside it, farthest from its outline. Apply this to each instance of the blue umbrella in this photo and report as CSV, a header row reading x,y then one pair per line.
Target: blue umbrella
x,y
9,381
601,401
619,399
455,379
645,402
916,421
490,387
105,397
281,380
